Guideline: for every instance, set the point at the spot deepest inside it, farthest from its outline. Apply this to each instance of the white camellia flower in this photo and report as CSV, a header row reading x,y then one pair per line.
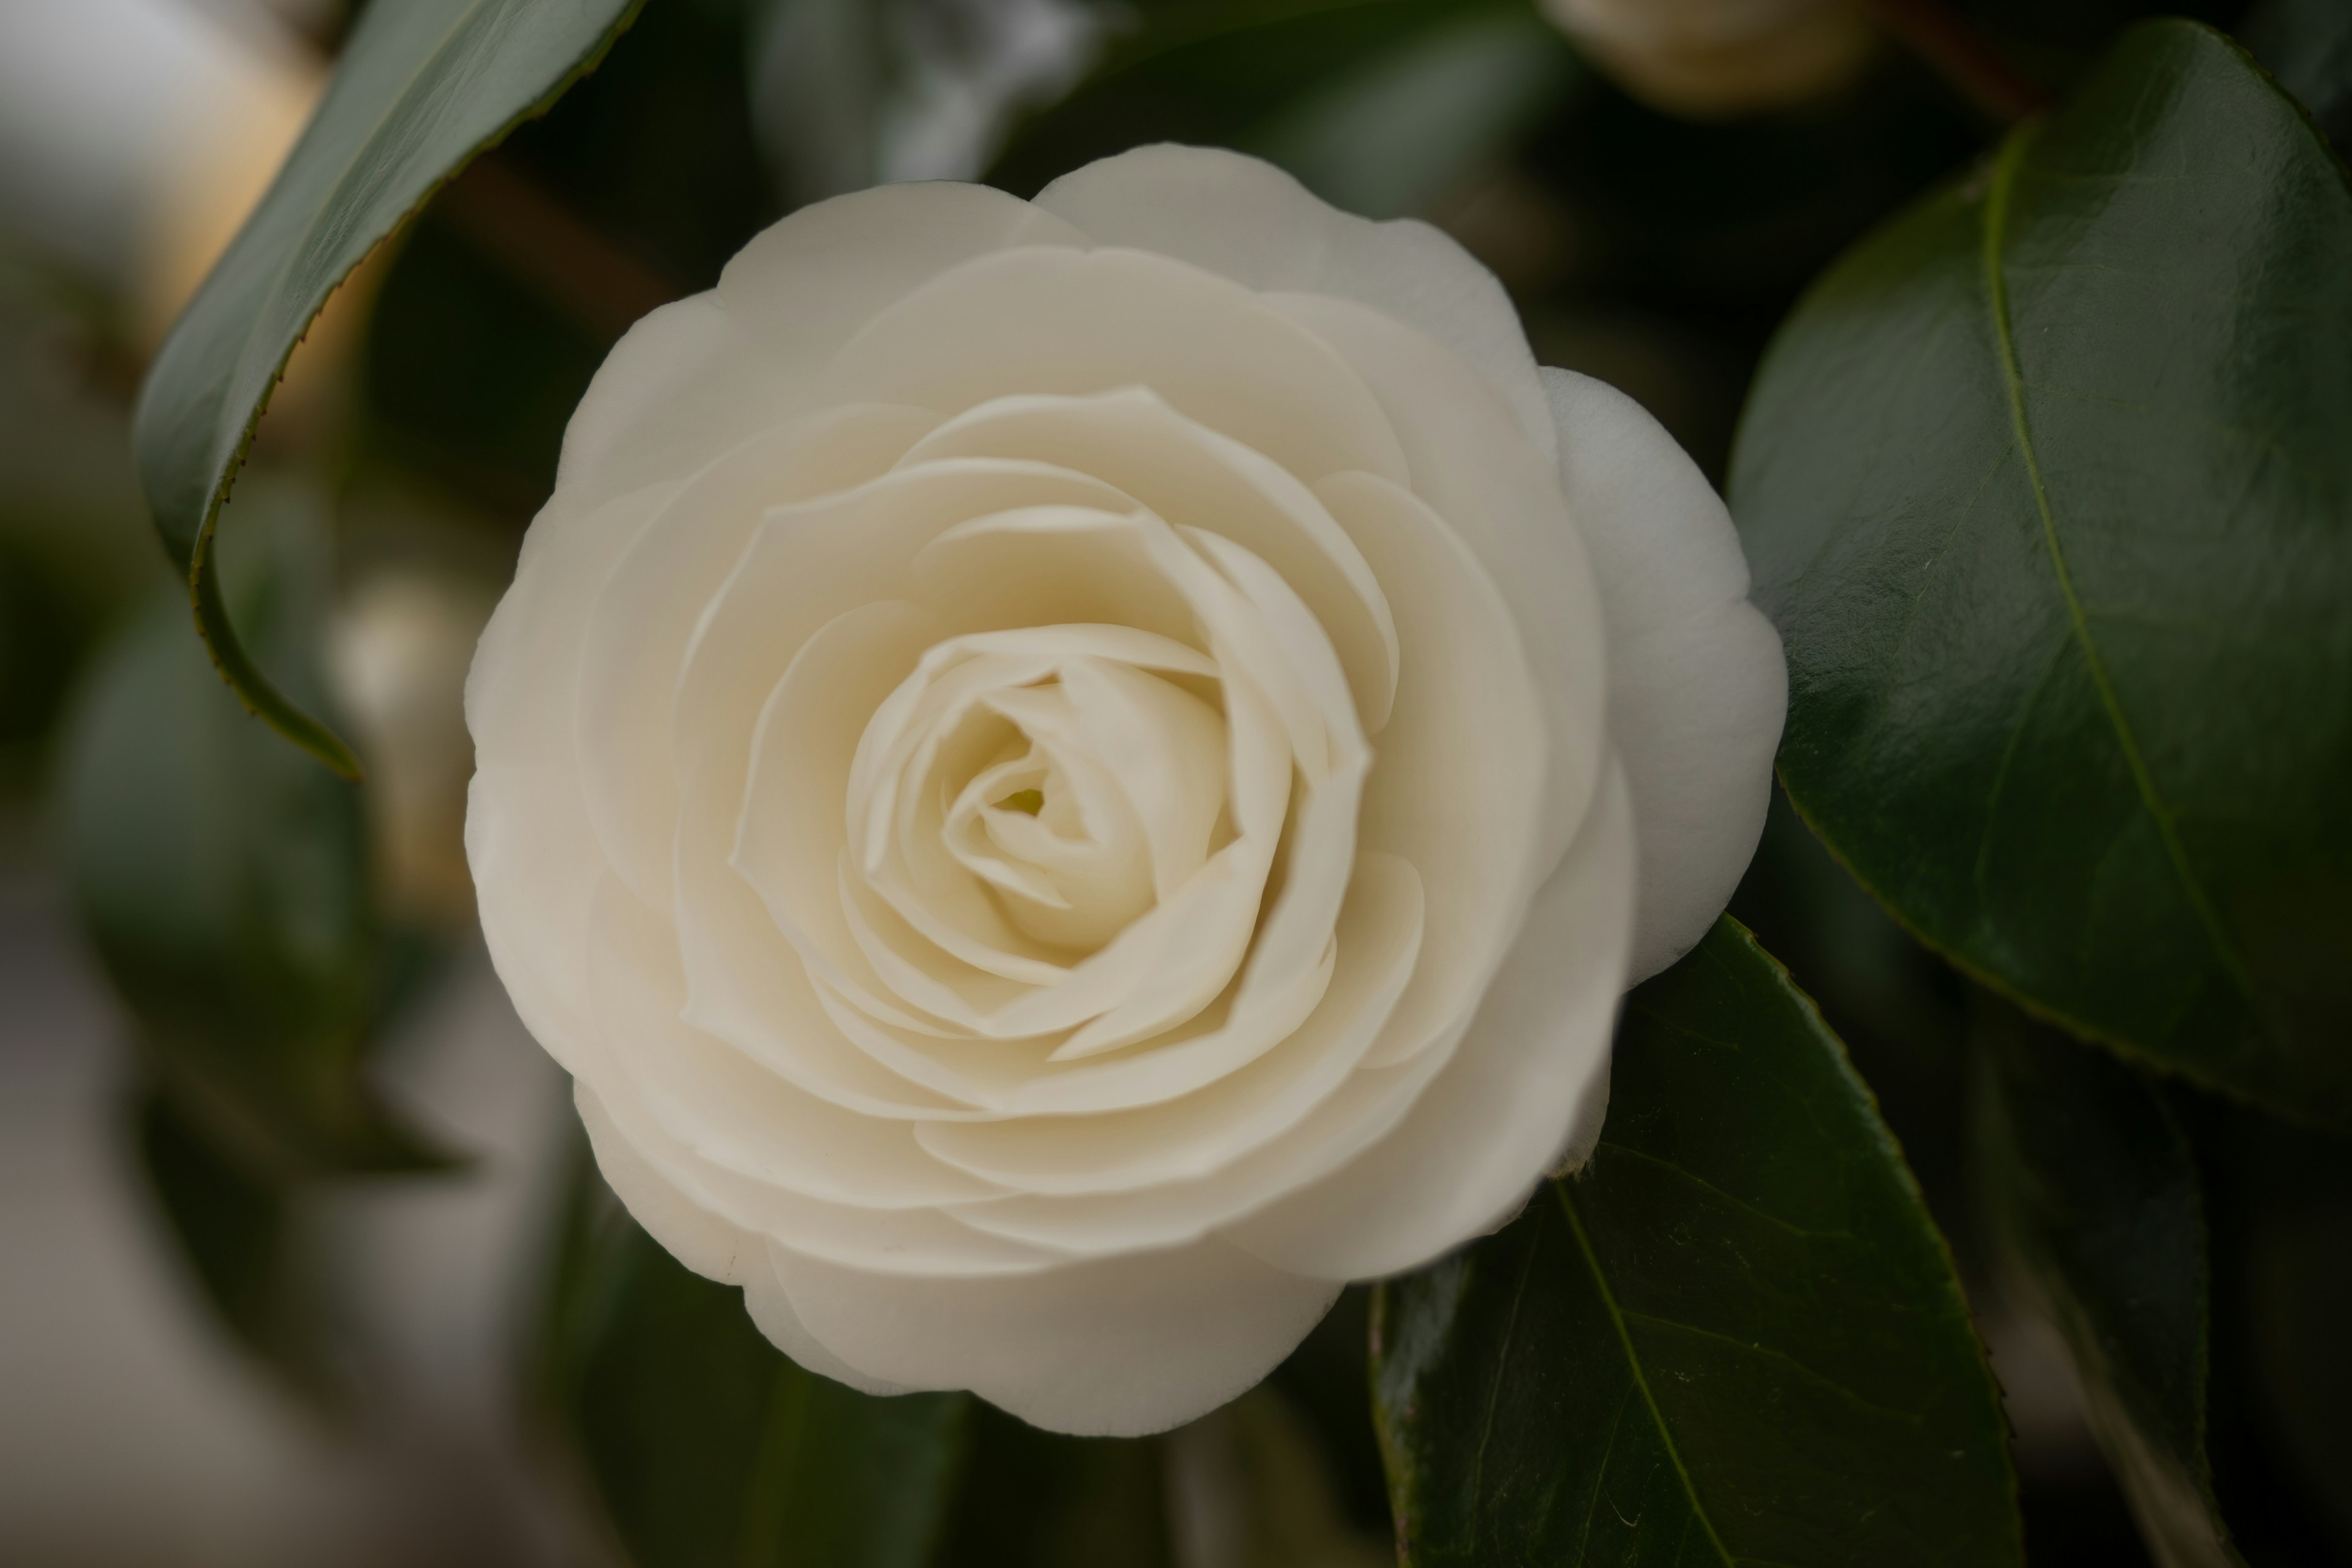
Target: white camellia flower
x,y
1066,777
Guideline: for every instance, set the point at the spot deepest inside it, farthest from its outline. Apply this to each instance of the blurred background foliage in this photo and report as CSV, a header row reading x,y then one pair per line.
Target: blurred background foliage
x,y
266,929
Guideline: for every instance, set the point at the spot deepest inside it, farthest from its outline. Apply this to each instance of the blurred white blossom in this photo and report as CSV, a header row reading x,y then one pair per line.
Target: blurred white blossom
x,y
851,93
398,648
1720,56
136,135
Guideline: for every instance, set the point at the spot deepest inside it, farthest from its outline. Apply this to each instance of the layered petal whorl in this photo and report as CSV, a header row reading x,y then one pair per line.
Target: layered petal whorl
x,y
1047,774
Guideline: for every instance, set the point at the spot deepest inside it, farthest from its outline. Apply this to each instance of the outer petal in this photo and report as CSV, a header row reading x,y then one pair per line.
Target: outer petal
x,y
1501,496
695,377
680,387
529,840
1119,1347
710,1246
1698,687
1245,218
1516,1090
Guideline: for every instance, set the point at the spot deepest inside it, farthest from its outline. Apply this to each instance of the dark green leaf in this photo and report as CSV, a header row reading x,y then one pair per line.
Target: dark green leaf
x,y
708,1447
222,878
2091,1194
1411,126
1039,1499
2048,488
2278,1211
240,1237
422,87
1734,1337
2307,45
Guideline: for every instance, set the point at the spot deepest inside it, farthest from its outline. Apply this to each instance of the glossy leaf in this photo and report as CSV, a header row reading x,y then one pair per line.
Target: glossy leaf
x,y
224,881
2047,488
422,87
1733,1338
2090,1191
708,1447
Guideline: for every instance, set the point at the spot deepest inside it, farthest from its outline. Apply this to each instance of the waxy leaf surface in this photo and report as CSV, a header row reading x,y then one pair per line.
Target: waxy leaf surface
x,y
2048,488
2092,1192
1733,1337
422,87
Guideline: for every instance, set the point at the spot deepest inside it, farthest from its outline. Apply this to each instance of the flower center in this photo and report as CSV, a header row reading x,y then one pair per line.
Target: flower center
x,y
1050,787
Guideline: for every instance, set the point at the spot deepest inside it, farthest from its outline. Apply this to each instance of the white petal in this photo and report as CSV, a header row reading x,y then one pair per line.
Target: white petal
x,y
688,1232
1502,497
1459,789
697,376
1378,937
1484,1130
529,840
804,285
919,1241
710,1247
680,387
1117,1347
1076,322
648,607
1245,218
1195,478
731,1112
771,1313
1698,687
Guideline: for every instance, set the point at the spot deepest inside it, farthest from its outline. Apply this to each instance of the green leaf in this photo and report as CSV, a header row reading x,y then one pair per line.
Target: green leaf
x,y
1412,125
2048,489
1734,1337
2092,1195
2307,45
422,88
708,1447
223,882
1039,1499
240,1237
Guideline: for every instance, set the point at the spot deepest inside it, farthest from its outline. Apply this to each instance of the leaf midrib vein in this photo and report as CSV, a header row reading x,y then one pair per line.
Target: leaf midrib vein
x,y
1641,1381
1996,219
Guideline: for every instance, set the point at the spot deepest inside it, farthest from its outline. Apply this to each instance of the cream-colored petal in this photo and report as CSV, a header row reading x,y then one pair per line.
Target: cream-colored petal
x,y
806,285
680,387
688,1231
1113,1347
1480,1136
1501,496
1377,940
1074,322
1698,686
918,1241
528,841
1195,478
730,1112
771,1313
806,565
646,610
1251,222
1459,789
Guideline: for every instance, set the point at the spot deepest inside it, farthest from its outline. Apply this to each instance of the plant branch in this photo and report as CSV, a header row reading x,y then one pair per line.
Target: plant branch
x,y
583,274
1963,56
